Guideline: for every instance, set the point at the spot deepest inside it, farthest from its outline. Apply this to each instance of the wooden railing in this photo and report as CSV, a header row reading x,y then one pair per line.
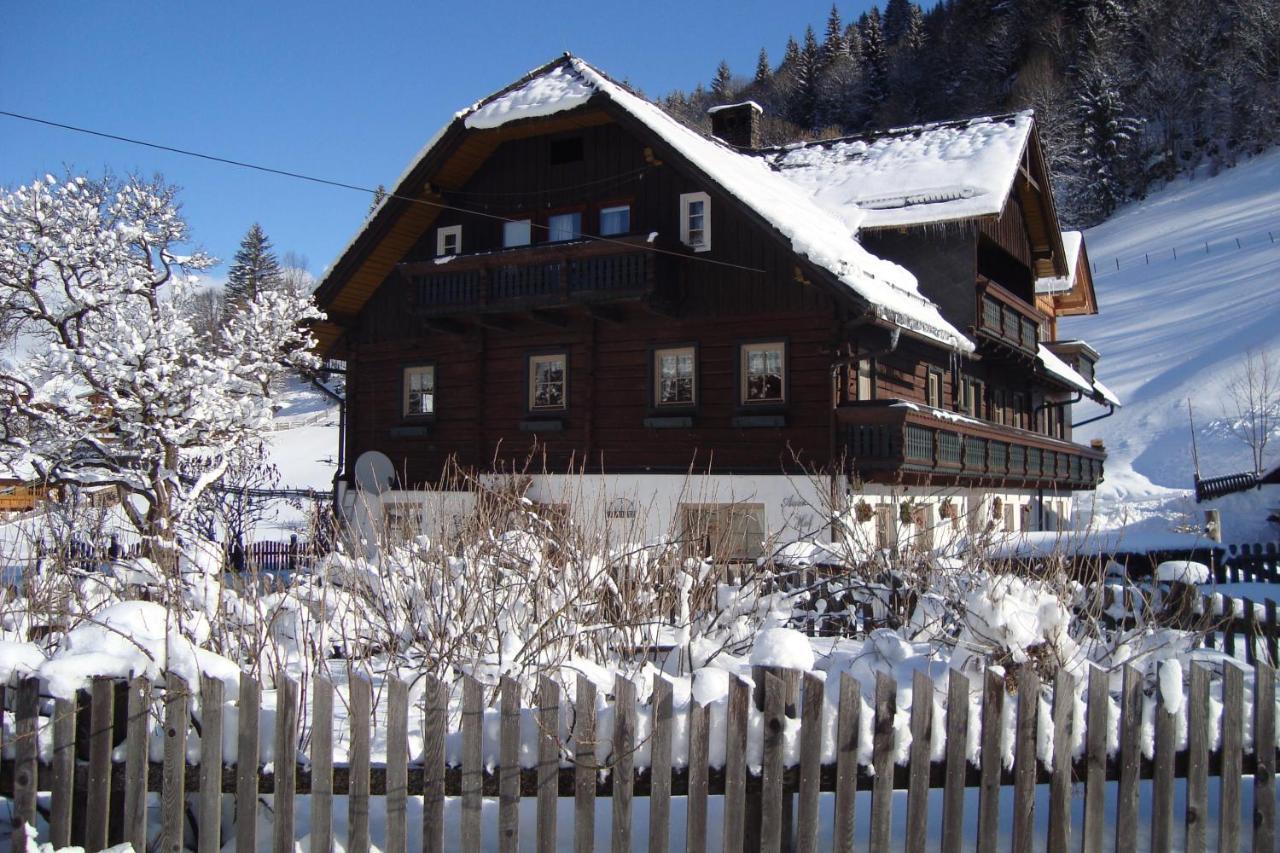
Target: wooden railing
x,y
898,436
21,498
1006,318
532,277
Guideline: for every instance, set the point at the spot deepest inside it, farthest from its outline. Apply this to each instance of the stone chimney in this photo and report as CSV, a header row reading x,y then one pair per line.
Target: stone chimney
x,y
737,124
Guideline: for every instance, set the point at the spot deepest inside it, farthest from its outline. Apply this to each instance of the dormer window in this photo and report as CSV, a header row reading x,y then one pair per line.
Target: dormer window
x,y
449,240
695,221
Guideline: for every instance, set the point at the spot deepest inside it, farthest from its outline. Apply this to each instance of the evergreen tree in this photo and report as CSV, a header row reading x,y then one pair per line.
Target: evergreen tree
x,y
254,270
722,84
763,70
853,43
791,55
804,101
1107,133
875,63
897,15
833,44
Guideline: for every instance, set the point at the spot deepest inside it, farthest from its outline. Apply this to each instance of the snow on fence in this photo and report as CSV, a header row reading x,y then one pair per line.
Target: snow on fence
x,y
658,750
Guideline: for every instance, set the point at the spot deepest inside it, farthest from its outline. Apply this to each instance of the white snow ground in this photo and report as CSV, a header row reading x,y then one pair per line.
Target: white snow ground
x,y
304,448
1171,329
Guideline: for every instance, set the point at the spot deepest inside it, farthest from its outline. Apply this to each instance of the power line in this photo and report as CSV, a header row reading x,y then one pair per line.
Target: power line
x,y
382,194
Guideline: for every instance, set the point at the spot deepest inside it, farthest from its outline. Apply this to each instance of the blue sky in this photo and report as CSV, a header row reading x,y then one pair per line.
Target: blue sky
x,y
342,90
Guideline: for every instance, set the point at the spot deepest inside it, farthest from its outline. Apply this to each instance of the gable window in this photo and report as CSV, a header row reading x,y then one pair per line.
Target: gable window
x,y
419,391
675,377
865,386
695,221
516,233
763,370
615,220
933,389
449,240
548,382
564,226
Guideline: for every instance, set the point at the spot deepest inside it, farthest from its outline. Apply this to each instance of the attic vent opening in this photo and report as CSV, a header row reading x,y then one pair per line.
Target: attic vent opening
x,y
566,150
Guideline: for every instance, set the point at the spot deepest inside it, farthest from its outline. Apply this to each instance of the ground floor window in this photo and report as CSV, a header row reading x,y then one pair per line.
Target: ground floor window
x,y
723,531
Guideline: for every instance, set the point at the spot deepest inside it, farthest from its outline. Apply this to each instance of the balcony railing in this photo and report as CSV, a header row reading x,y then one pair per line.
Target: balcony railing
x,y
892,439
531,277
1006,318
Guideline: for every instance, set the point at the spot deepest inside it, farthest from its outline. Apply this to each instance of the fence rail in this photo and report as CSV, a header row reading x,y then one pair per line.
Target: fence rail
x,y
95,801
1250,563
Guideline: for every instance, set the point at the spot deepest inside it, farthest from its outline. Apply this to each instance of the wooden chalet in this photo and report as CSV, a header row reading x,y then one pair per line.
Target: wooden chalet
x,y
569,275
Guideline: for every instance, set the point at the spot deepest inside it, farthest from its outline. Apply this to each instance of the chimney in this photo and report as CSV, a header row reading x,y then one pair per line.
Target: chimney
x,y
737,124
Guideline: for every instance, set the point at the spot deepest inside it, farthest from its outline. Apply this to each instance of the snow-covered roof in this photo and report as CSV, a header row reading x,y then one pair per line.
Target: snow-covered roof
x,y
1061,370
1071,242
825,238
912,176
1105,393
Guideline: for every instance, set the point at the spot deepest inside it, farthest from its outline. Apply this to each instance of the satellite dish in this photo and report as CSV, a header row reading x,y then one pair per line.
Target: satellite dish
x,y
374,472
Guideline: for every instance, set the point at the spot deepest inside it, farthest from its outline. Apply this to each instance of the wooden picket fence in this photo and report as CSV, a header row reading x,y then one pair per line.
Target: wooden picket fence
x,y
1250,563
95,802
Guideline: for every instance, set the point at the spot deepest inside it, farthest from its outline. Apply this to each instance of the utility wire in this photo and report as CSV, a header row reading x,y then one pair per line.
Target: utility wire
x,y
383,194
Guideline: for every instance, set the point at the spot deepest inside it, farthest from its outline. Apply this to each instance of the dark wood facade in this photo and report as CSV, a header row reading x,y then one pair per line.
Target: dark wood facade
x,y
478,317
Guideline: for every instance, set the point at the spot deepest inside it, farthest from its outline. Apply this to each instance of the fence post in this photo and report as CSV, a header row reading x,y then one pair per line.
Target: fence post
x,y
957,762
64,771
1232,769
921,744
992,757
1264,748
846,762
26,752
361,698
247,766
1095,760
101,730
548,762
1024,759
210,808
810,764
177,719
1197,759
138,733
660,767
322,765
584,766
623,774
1064,698
735,767
509,765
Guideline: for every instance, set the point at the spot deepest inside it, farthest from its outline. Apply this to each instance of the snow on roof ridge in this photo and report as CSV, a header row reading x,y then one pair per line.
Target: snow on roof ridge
x,y
824,237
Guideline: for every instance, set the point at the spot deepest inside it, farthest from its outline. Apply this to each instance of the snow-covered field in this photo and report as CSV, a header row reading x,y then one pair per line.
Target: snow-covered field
x,y
1171,329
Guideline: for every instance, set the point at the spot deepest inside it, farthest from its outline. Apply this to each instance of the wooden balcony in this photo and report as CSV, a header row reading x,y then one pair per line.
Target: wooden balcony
x,y
1006,319
891,441
531,277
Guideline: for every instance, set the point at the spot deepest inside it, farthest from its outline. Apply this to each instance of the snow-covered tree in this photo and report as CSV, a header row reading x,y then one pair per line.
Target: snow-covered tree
x,y
254,268
118,388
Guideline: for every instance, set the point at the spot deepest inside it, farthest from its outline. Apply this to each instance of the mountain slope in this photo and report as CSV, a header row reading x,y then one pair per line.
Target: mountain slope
x,y
1175,319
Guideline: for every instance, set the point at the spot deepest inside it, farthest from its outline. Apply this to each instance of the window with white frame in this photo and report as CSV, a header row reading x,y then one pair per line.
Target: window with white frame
x,y
449,240
764,373
675,377
564,226
516,233
419,391
695,221
933,392
615,220
548,382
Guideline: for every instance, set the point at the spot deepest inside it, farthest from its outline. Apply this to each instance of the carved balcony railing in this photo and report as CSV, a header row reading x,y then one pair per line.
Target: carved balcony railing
x,y
1006,319
893,440
531,277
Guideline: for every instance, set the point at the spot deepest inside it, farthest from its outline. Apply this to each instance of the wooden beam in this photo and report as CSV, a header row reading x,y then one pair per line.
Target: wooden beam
x,y
607,313
445,327
548,318
495,323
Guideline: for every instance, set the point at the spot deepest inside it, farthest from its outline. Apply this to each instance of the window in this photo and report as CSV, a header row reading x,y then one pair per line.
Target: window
x,y
615,220
1018,417
865,379
933,392
997,406
724,531
695,221
548,384
675,377
419,391
763,371
449,240
564,226
979,409
516,233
